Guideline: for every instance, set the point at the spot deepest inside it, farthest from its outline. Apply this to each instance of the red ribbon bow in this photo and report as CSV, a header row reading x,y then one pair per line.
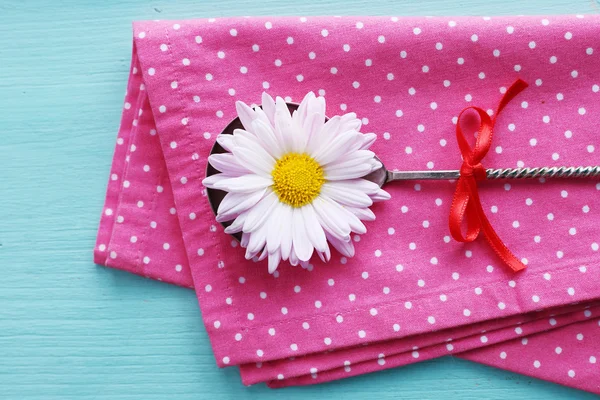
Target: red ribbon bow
x,y
466,204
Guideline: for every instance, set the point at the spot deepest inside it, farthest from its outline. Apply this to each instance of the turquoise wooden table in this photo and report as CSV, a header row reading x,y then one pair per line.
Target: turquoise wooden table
x,y
72,330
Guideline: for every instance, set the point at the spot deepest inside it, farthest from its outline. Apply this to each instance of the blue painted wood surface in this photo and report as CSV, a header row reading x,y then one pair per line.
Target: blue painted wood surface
x,y
71,330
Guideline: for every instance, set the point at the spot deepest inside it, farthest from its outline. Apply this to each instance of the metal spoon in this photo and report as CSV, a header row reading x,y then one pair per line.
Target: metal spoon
x,y
383,176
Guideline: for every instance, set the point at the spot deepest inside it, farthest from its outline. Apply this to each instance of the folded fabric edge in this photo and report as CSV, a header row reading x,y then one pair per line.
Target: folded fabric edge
x,y
478,336
384,361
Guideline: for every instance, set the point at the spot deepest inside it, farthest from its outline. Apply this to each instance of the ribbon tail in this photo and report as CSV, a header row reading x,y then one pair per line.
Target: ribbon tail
x,y
462,208
496,243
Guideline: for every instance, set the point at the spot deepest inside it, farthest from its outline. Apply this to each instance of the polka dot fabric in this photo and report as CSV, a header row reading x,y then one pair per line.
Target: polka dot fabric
x,y
407,79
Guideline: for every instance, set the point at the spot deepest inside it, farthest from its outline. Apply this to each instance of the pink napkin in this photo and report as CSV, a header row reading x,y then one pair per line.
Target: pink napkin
x,y
410,293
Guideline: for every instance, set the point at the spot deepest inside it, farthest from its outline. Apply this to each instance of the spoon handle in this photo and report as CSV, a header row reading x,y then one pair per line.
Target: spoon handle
x,y
506,173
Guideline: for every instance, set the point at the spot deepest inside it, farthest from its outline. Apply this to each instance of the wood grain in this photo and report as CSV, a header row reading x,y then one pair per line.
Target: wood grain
x,y
72,330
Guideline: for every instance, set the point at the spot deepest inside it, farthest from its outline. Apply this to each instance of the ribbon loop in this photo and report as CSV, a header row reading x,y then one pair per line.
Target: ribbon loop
x,y
466,205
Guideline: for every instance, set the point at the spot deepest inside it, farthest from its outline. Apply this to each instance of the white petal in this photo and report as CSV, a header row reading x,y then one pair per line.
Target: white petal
x,y
275,225
261,116
322,138
211,181
286,231
312,127
266,135
226,141
247,141
234,204
335,208
368,140
316,106
326,255
254,162
331,220
264,254
346,248
352,159
228,164
363,185
237,224
293,257
349,122
302,111
357,171
381,195
314,230
364,214
260,212
245,239
268,105
301,243
242,184
246,114
251,254
375,165
283,124
346,196
274,259
257,241
338,147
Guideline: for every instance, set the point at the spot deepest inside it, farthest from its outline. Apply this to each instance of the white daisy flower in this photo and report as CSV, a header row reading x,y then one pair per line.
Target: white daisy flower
x,y
294,181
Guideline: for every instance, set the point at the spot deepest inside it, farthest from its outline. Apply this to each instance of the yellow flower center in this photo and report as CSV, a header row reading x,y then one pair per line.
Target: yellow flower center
x,y
297,179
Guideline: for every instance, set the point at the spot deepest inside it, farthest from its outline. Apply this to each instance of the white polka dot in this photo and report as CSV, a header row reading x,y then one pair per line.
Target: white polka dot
x,y
518,330
553,60
417,31
362,334
324,33
581,111
535,298
260,353
510,29
571,373
466,312
537,364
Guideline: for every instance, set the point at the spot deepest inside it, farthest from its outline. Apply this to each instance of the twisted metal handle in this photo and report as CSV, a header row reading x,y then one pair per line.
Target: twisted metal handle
x,y
543,172
383,176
